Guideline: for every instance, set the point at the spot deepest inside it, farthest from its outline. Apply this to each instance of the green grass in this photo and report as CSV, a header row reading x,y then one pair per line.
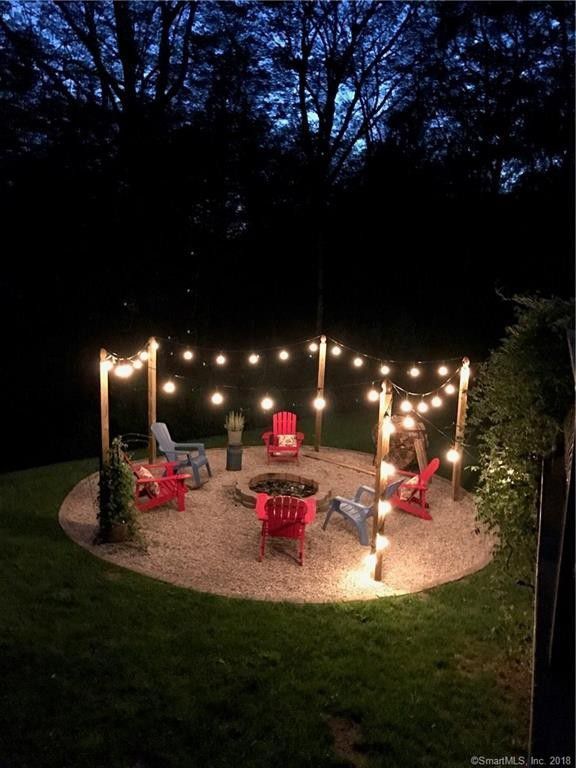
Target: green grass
x,y
104,667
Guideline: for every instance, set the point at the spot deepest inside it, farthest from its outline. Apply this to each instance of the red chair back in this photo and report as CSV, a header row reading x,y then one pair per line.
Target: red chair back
x,y
284,423
429,471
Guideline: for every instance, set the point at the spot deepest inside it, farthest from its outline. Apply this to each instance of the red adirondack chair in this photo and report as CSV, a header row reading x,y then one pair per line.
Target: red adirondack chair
x,y
283,442
285,517
410,496
157,484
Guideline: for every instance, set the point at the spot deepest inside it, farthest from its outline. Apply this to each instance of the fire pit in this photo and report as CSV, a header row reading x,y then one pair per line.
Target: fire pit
x,y
281,484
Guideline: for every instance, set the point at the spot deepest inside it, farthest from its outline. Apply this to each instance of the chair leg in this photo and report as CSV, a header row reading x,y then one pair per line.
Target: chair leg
x,y
362,532
196,473
262,543
328,516
301,550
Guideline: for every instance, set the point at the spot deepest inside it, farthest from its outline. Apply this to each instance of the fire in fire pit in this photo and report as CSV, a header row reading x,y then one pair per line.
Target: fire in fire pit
x,y
283,485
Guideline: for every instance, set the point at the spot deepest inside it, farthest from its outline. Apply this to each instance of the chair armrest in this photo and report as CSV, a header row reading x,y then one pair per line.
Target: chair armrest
x,y
189,447
364,507
300,437
161,480
406,473
266,436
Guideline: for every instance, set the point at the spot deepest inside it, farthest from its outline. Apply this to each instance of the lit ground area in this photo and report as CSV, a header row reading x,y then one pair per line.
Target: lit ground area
x,y
213,545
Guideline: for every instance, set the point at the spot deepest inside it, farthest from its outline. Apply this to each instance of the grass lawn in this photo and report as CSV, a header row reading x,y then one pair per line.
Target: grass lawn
x,y
104,667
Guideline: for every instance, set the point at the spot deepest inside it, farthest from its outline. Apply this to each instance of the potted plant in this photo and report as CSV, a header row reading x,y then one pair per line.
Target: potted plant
x,y
234,424
116,509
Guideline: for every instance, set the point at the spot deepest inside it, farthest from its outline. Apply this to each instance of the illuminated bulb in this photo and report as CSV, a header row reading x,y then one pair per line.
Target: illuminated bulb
x,y
385,370
169,387
108,365
336,351
124,371
453,455
220,360
283,355
389,427
408,422
443,371
382,542
414,372
319,403
358,362
313,347
143,356
137,364
188,355
373,395
450,389
406,406
384,507
253,359
155,345
436,401
267,403
422,407
388,469
217,398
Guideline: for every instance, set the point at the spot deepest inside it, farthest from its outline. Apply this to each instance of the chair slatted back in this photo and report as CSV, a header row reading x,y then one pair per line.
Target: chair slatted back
x,y
284,423
429,471
162,435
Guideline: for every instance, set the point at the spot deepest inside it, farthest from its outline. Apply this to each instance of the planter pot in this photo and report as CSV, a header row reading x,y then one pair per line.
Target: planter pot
x,y
234,438
118,532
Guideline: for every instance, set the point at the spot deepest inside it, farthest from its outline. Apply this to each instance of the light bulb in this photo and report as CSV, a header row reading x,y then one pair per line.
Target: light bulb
x,y
389,427
169,387
253,359
408,422
336,351
414,372
313,347
436,401
406,406
188,355
108,365
453,455
220,360
143,356
155,345
217,398
137,364
358,362
384,507
422,407
450,389
283,355
319,403
443,371
373,395
267,403
385,370
124,370
388,469
382,542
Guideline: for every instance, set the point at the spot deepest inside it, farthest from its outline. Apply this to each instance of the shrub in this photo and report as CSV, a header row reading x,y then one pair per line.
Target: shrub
x,y
116,492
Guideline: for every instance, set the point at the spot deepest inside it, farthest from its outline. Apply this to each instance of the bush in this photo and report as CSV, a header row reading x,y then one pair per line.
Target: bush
x,y
518,407
116,492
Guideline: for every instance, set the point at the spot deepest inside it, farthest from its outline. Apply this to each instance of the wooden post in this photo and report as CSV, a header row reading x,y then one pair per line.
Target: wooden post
x,y
152,346
460,424
382,449
104,409
320,392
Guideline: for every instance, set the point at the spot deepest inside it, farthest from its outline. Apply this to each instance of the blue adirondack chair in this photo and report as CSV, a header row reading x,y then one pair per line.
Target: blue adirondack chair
x,y
190,456
358,510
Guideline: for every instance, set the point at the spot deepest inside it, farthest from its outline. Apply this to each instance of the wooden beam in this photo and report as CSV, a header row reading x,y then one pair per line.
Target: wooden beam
x,y
104,409
151,349
460,425
320,393
381,476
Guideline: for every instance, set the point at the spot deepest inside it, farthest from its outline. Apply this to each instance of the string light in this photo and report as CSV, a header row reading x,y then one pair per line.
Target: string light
x,y
267,403
384,508
188,354
220,360
253,359
450,389
169,387
408,422
358,362
443,371
388,469
319,403
155,346
382,542
373,395
422,407
336,351
313,347
143,356
137,364
385,370
389,427
406,406
283,355
108,365
453,455
217,398
436,401
124,371
414,372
